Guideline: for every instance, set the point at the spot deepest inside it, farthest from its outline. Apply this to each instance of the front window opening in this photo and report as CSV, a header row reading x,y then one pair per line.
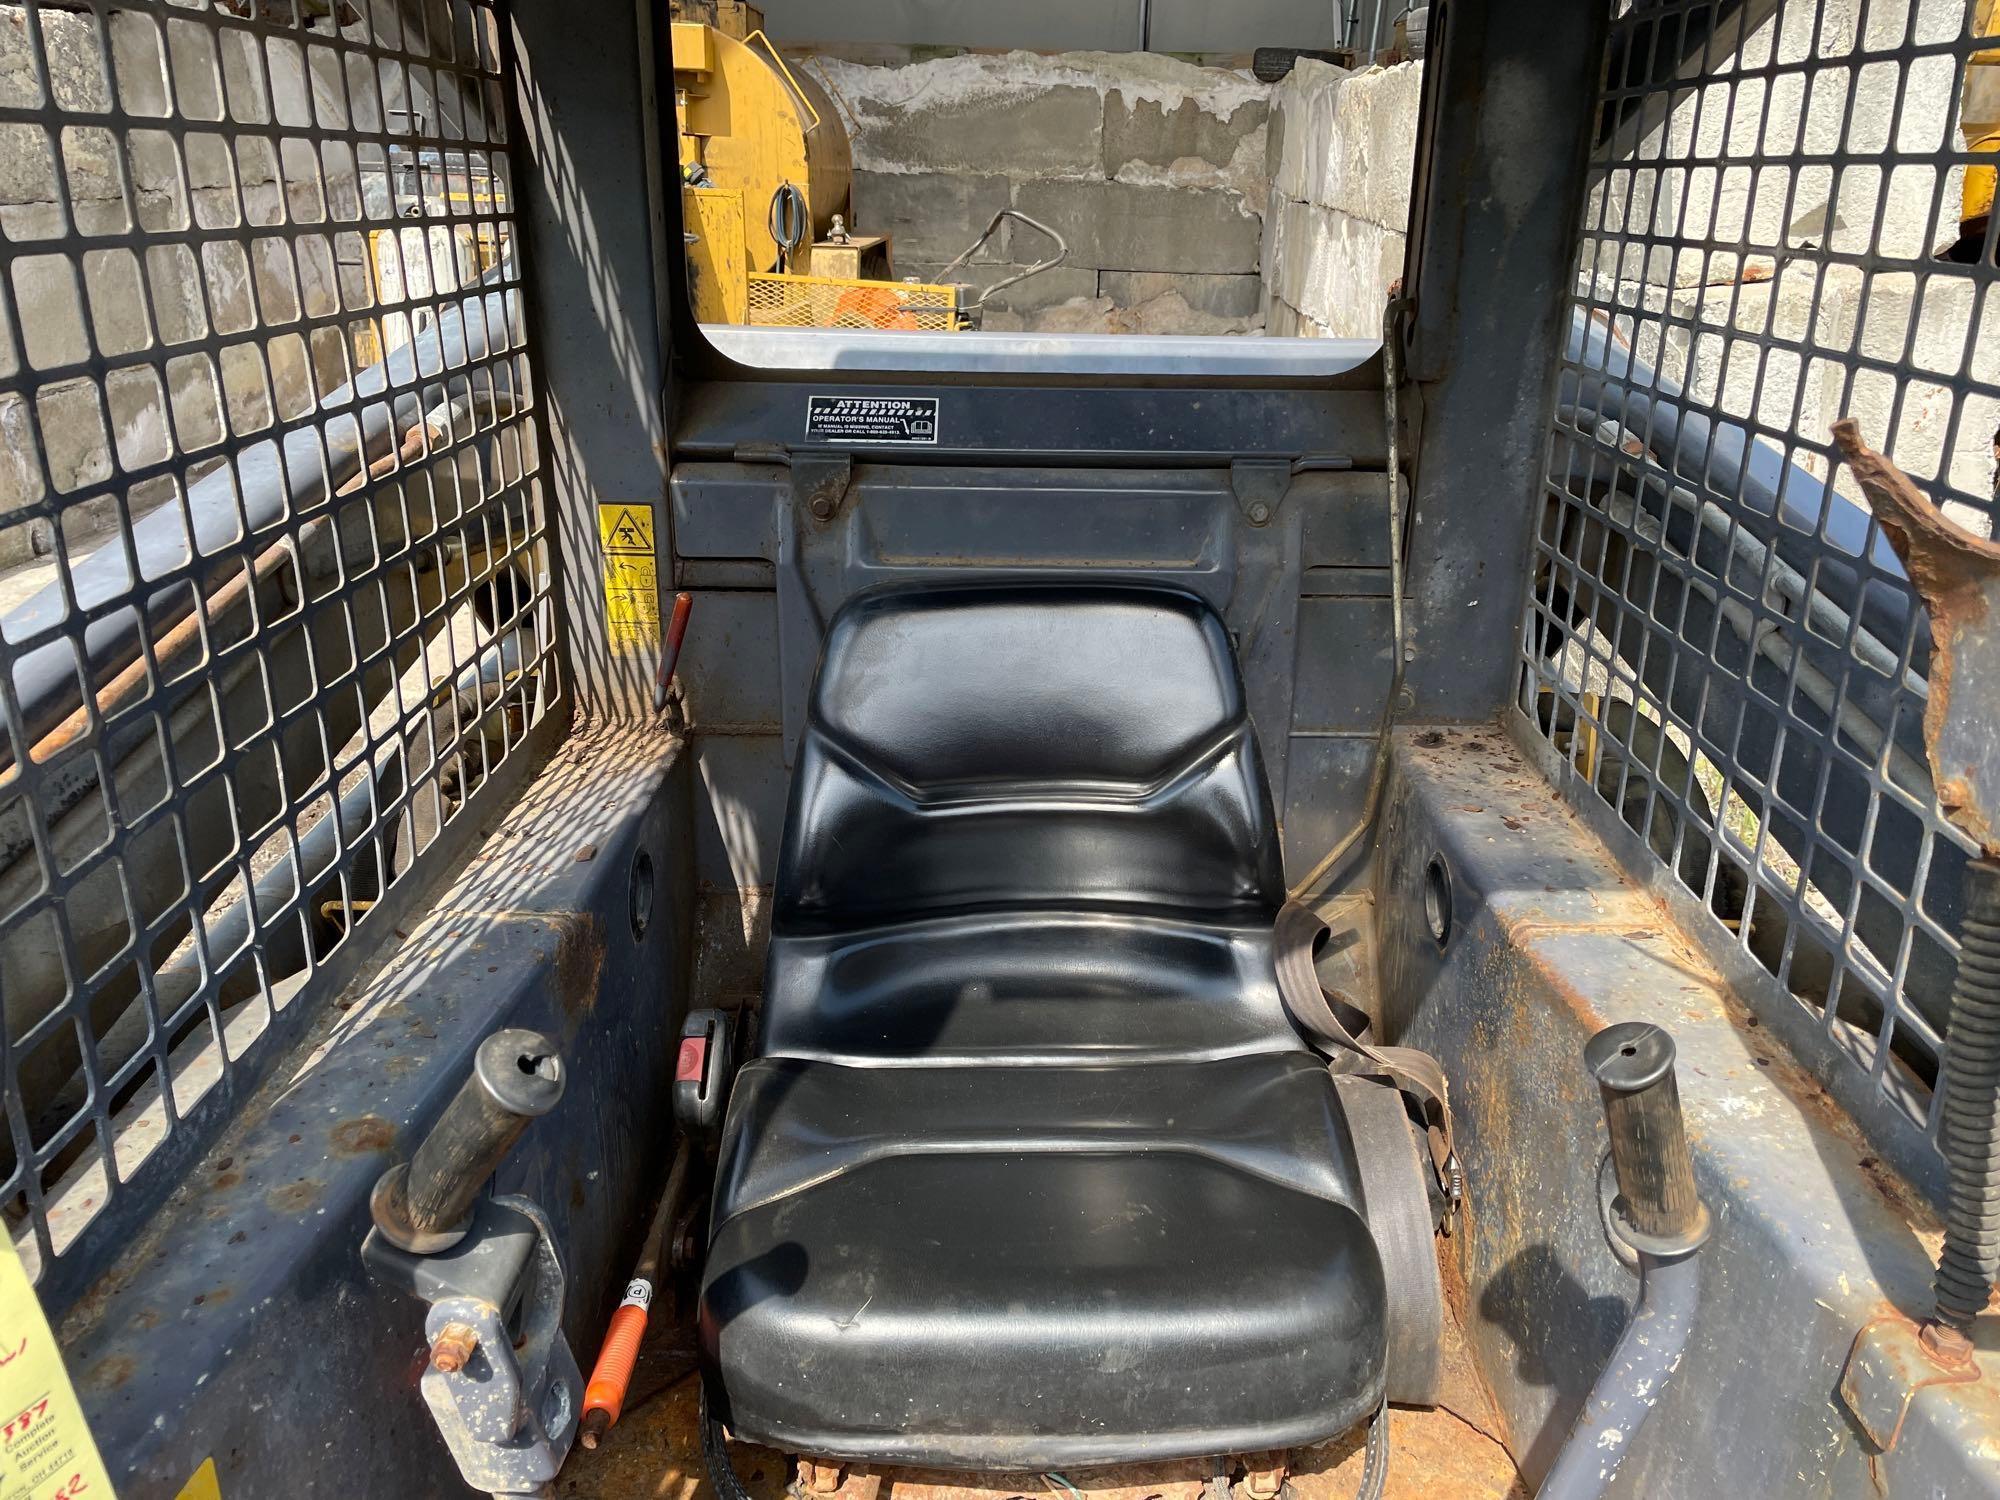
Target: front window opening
x,y
1042,176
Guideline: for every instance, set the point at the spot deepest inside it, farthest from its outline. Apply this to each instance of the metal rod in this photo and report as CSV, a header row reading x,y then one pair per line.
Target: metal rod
x,y
1659,1214
670,654
1630,1384
611,1378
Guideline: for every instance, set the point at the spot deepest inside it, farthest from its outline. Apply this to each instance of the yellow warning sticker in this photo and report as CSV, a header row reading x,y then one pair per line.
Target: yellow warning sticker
x,y
46,1451
631,575
204,1486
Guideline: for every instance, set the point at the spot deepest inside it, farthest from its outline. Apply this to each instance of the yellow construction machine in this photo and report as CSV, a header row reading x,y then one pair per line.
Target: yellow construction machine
x,y
766,172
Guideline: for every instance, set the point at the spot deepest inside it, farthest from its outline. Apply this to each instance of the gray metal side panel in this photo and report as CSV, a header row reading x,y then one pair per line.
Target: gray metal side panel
x,y
252,1280
1813,1236
587,215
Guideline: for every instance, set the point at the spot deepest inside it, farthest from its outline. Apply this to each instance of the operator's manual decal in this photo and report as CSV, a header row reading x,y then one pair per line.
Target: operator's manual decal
x,y
46,1451
871,419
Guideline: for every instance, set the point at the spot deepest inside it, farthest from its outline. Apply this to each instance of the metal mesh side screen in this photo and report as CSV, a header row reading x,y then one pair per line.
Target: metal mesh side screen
x,y
1718,639
277,598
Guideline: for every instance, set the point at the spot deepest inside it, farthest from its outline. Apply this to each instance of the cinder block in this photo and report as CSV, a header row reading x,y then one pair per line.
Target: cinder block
x,y
970,113
70,40
72,423
1144,131
1218,296
1342,279
932,215
1300,115
1122,226
1372,143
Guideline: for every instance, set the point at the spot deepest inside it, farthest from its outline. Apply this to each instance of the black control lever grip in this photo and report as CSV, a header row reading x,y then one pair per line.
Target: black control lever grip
x,y
425,1205
1658,1209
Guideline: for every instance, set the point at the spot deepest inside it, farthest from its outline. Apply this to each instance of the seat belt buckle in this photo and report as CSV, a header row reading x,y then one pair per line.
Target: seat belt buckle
x,y
704,1067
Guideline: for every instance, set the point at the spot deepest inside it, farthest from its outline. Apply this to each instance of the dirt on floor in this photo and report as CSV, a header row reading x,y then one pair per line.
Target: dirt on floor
x,y
654,1453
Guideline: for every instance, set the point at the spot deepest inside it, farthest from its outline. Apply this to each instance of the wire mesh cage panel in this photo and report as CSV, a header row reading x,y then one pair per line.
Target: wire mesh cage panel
x,y
1786,222
277,598
780,300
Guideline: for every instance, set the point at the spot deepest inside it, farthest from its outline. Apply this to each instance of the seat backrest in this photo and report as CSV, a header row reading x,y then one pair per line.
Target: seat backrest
x,y
1008,747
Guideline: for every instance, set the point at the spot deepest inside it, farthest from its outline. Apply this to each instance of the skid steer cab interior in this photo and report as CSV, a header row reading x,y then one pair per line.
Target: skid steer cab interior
x,y
1243,757
1031,1166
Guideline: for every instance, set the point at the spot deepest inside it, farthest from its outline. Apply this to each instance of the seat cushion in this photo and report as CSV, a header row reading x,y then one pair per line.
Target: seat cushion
x,y
1026,746
1025,987
1035,1171
1040,1266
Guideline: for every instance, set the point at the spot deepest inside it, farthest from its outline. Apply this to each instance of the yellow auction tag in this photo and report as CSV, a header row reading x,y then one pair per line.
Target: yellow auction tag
x,y
204,1485
46,1451
631,575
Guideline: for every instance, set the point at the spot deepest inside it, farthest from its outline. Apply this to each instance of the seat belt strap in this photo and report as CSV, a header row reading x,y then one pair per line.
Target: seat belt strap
x,y
1417,1074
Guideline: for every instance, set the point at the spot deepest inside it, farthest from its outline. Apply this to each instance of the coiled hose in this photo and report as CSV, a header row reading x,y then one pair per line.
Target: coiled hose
x,y
1970,1130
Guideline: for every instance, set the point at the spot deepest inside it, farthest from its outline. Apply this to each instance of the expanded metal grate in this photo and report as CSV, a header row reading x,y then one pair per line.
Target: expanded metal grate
x,y
278,596
1718,639
779,300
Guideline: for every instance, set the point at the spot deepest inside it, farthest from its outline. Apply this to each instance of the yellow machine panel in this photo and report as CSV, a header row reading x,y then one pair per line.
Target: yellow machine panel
x,y
750,121
1979,122
860,257
766,174
717,271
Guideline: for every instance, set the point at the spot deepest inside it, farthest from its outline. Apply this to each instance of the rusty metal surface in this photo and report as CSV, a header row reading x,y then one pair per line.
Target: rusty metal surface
x,y
1814,1236
1957,575
1888,1366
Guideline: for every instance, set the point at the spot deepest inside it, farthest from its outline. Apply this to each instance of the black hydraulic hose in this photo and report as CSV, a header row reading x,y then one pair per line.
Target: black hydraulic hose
x,y
1970,1129
715,1456
790,219
1375,1456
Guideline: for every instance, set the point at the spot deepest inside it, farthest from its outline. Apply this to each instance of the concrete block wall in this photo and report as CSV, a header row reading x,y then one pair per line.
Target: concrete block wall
x,y
1151,168
1342,152
1701,315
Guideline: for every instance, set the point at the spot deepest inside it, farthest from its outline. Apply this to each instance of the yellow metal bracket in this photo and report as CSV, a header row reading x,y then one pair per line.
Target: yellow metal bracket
x,y
798,94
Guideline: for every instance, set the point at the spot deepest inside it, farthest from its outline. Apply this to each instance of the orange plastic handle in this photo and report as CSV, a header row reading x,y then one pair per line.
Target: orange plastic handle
x,y
613,1375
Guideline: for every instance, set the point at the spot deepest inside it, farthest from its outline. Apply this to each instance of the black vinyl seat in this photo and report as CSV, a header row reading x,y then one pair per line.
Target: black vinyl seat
x,y
1033,1170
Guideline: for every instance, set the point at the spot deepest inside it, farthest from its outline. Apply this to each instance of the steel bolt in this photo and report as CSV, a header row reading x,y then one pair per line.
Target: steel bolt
x,y
1948,1346
1259,513
822,507
1265,1483
453,1347
818,1478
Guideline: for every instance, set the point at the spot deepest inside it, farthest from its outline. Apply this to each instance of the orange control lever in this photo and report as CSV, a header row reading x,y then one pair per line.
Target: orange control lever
x,y
604,1396
670,652
611,1378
